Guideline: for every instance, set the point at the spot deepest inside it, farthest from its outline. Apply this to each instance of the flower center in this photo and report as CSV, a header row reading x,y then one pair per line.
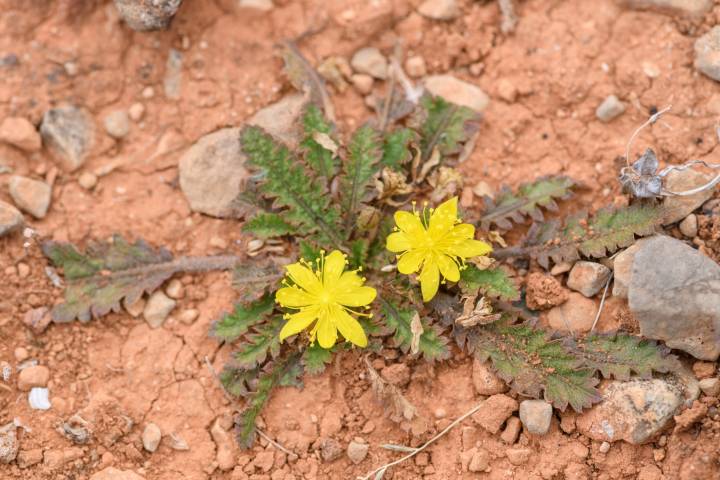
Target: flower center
x,y
325,297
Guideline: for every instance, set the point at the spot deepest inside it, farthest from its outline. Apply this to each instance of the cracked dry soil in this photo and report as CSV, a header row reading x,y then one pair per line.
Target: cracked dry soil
x,y
545,82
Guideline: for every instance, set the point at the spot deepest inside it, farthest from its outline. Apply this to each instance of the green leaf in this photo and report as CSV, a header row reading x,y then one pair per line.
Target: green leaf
x,y
358,253
304,201
359,169
261,342
236,381
444,125
492,282
315,358
283,372
321,160
233,325
620,355
309,253
433,346
268,225
513,207
396,148
609,231
532,364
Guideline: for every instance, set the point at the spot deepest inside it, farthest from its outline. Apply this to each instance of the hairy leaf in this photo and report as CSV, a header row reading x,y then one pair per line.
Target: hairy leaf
x,y
315,358
321,160
360,167
268,225
444,125
396,148
532,364
509,206
255,279
304,201
304,78
283,372
109,272
358,253
493,282
620,355
433,346
233,325
238,381
607,232
261,342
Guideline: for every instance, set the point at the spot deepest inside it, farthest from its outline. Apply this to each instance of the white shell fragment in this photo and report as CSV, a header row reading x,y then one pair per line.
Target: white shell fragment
x,y
38,398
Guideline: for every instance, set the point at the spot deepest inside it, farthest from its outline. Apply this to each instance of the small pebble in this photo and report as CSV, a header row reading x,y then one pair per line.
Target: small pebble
x,y
363,83
136,308
415,66
148,92
188,316
175,289
21,354
151,437
357,451
117,124
87,180
536,415
609,109
710,386
218,242
440,413
689,226
136,111
370,61
23,270
604,447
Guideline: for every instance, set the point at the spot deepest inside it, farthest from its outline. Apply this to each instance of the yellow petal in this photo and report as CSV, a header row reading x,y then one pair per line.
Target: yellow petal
x,y
409,223
298,322
326,331
468,249
304,278
293,297
444,217
448,268
356,297
463,230
347,282
349,327
334,266
398,242
429,280
410,261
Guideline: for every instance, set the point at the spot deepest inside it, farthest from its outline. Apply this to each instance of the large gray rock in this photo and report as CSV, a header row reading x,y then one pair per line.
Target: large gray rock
x,y
707,53
633,411
147,15
10,218
69,133
212,171
674,294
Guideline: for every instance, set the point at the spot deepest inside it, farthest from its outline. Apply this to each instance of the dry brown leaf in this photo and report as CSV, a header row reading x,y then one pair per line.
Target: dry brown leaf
x,y
397,407
326,142
480,313
482,262
390,184
446,183
495,237
432,162
416,329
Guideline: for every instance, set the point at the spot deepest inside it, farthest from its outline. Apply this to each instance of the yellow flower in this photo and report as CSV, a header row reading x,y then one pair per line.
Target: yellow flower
x,y
438,245
326,296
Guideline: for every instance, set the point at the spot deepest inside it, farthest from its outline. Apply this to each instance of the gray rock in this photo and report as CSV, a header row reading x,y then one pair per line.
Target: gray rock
x,y
371,62
212,171
707,53
147,15
69,133
710,386
588,278
151,437
31,196
693,8
357,451
535,416
8,443
457,91
330,449
439,9
10,218
173,74
117,123
609,109
675,296
157,309
676,208
689,226
633,411
622,269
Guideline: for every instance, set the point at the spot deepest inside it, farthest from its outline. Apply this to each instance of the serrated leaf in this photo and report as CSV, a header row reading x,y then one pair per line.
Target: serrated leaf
x,y
284,372
361,165
299,198
237,381
109,272
358,253
492,282
245,316
609,231
396,148
315,358
533,364
432,345
304,78
268,225
510,207
619,355
443,125
321,160
263,341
